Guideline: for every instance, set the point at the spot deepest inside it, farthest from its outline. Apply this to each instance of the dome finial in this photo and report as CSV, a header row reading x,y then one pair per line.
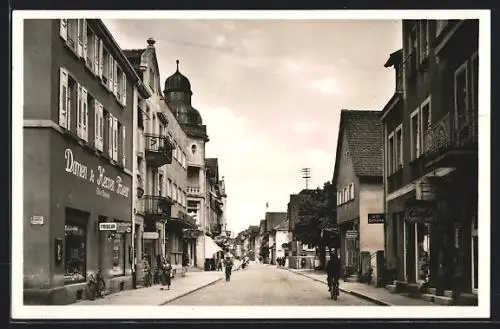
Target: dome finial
x,y
177,62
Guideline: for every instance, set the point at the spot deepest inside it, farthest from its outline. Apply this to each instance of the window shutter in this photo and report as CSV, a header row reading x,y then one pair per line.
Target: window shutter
x,y
115,139
110,73
101,127
79,37
95,55
84,37
110,136
115,77
63,98
124,92
79,110
101,59
85,115
352,191
97,127
63,28
124,146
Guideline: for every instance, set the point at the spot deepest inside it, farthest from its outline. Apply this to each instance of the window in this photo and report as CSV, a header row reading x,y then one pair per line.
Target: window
x,y
424,39
112,124
90,58
82,113
390,154
346,197
160,184
425,118
118,255
461,93
415,134
115,139
175,150
474,81
175,193
169,188
339,198
98,126
106,67
179,193
351,191
124,146
75,242
69,32
440,26
398,156
64,99
185,199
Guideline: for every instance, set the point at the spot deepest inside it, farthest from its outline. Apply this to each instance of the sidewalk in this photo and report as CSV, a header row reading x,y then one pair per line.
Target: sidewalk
x,y
192,282
380,296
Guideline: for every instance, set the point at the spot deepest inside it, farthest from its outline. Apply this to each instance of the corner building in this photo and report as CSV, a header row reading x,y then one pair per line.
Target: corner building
x,y
78,115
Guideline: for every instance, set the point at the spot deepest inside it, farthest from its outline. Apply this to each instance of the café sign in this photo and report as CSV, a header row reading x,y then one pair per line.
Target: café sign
x,y
104,184
420,211
376,218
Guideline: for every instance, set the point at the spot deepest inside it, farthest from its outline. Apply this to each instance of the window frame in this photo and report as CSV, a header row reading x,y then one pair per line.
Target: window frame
x,y
399,163
390,153
424,38
415,153
457,72
427,101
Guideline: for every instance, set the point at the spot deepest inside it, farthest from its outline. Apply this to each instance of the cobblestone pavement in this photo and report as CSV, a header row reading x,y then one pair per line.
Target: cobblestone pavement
x,y
265,285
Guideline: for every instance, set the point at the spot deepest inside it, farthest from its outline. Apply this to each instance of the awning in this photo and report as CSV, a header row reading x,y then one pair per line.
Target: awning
x,y
211,248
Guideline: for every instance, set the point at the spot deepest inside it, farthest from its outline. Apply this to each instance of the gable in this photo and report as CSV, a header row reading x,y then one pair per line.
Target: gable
x,y
345,172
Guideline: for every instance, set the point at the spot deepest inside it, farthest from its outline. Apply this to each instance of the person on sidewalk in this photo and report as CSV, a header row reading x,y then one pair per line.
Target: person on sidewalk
x,y
229,267
333,269
166,275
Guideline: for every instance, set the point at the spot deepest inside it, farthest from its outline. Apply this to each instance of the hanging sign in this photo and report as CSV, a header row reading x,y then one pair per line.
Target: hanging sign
x,y
351,234
107,226
376,218
36,220
420,211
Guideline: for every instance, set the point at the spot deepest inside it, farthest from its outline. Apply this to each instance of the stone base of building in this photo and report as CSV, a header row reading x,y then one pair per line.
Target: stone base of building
x,y
71,294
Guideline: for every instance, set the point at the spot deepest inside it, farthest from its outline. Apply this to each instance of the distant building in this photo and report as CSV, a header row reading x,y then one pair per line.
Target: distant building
x,y
360,190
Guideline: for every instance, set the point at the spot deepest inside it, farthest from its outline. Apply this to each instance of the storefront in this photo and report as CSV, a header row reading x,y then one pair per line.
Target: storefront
x,y
85,226
349,247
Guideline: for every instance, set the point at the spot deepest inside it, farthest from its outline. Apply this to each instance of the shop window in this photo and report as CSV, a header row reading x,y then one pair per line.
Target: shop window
x,y
119,254
422,251
75,236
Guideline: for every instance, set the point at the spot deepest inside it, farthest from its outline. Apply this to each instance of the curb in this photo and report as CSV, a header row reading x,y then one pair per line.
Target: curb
x,y
350,292
191,291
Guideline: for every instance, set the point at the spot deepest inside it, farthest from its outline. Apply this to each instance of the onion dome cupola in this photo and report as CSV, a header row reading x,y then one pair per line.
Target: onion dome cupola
x,y
178,95
177,82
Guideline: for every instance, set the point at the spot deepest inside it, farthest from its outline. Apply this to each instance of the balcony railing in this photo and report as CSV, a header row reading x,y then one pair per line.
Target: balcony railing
x,y
194,190
395,181
451,133
156,205
158,149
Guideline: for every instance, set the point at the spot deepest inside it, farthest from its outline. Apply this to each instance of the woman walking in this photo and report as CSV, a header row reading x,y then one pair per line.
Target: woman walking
x,y
166,274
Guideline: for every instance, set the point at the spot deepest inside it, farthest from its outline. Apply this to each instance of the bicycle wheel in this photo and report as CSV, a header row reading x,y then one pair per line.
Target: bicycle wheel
x,y
332,291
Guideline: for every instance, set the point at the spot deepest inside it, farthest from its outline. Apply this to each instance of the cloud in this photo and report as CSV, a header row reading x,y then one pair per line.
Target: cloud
x,y
327,86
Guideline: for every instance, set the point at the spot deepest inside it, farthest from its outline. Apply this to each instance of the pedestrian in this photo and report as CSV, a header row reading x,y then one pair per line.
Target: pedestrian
x,y
229,267
166,274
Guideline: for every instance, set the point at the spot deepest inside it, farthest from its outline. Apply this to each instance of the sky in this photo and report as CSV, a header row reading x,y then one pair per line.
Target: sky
x,y
270,93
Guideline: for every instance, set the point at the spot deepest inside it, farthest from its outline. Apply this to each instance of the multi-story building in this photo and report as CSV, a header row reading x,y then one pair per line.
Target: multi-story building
x,y
177,94
273,220
79,106
214,198
430,167
280,233
360,191
161,172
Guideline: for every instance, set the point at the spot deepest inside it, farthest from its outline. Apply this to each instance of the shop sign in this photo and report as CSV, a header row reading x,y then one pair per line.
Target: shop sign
x,y
376,218
105,184
420,211
150,235
107,226
36,220
426,189
351,234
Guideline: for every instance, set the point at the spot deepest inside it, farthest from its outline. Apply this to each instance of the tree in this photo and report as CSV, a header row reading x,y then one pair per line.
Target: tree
x,y
317,213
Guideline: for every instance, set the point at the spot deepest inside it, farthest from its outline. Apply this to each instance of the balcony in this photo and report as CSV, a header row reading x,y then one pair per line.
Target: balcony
x,y
158,150
395,181
216,229
182,221
452,140
156,208
194,191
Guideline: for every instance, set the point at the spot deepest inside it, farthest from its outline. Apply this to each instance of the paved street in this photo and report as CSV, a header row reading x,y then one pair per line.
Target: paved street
x,y
261,285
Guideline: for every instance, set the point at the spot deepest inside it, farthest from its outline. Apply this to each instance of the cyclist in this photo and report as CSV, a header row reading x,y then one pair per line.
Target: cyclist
x,y
333,269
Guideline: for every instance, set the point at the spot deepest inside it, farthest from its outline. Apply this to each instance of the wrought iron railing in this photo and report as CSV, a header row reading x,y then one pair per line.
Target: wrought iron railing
x,y
158,143
451,132
157,205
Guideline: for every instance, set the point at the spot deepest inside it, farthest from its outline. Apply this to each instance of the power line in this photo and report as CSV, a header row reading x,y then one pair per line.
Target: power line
x,y
306,174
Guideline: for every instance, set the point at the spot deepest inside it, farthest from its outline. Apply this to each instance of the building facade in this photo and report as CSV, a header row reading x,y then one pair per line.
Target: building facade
x,y
430,167
360,191
78,160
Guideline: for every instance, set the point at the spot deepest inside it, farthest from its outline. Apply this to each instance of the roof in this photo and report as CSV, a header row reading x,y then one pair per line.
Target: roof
x,y
212,165
283,226
273,219
363,130
395,58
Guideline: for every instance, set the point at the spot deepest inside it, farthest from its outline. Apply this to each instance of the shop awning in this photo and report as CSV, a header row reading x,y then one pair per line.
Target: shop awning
x,y
211,248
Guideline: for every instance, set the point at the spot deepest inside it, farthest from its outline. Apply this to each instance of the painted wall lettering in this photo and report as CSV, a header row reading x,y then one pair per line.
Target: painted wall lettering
x,y
104,183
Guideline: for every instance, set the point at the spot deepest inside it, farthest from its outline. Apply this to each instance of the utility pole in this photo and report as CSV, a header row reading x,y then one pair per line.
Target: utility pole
x,y
306,174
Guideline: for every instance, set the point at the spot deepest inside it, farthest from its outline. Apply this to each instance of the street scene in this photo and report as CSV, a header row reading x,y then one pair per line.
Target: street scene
x,y
250,162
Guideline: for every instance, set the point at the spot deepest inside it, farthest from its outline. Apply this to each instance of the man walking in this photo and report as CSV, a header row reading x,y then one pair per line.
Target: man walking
x,y
229,267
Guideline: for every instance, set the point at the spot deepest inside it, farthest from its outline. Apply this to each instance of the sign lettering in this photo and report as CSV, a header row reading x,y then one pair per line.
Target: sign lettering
x,y
376,218
107,226
104,183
